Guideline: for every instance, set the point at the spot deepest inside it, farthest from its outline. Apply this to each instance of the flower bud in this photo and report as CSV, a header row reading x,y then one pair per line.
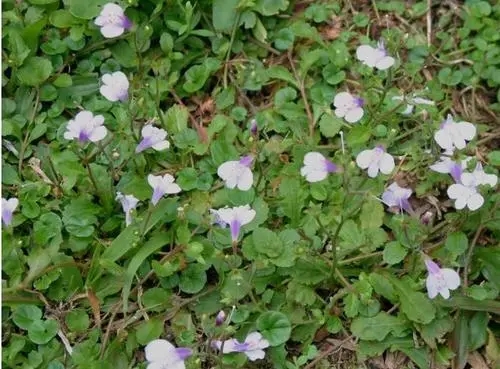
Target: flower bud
x,y
219,319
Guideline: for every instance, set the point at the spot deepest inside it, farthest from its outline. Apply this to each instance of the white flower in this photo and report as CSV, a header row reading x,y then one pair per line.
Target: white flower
x,y
465,193
152,137
375,57
236,173
482,178
375,160
411,101
112,20
440,280
161,354
348,107
236,218
253,346
316,167
454,134
129,203
86,127
115,86
161,186
448,166
396,196
8,207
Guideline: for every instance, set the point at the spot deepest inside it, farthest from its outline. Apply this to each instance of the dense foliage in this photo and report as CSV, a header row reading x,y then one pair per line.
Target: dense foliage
x,y
310,173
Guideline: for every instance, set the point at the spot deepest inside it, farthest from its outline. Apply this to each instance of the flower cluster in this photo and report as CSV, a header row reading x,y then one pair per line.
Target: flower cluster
x,y
453,136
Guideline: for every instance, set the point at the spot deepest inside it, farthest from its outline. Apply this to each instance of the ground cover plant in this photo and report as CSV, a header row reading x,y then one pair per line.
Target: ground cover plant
x,y
250,184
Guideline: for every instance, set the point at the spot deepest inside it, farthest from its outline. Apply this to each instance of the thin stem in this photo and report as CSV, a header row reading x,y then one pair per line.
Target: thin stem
x,y
300,82
24,144
231,41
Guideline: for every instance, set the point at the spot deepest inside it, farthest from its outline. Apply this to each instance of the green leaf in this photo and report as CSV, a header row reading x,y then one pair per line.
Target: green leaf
x,y
456,243
34,71
49,225
149,248
284,39
193,279
42,2
271,7
148,331
61,18
376,328
275,327
77,320
42,331
478,330
224,14
86,9
394,253
372,214
494,158
415,305
155,299
25,315
300,293
267,242
329,125
460,340
176,119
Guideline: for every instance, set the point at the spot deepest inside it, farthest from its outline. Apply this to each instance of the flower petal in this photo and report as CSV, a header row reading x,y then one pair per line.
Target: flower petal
x,y
245,214
342,99
313,175
109,93
314,159
112,30
443,139
354,115
467,130
255,355
98,134
172,188
245,180
365,53
475,201
159,350
364,159
432,286
385,63
445,292
162,145
386,163
451,277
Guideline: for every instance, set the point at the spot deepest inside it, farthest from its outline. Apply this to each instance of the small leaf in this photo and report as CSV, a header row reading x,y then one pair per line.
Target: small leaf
x,y
275,327
329,125
25,315
193,279
376,328
35,71
148,331
42,331
394,253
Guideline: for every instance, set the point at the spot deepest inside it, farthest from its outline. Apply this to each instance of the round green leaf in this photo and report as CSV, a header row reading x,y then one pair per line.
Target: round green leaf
x,y
86,9
193,279
275,327
34,71
77,320
25,315
42,331
149,331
